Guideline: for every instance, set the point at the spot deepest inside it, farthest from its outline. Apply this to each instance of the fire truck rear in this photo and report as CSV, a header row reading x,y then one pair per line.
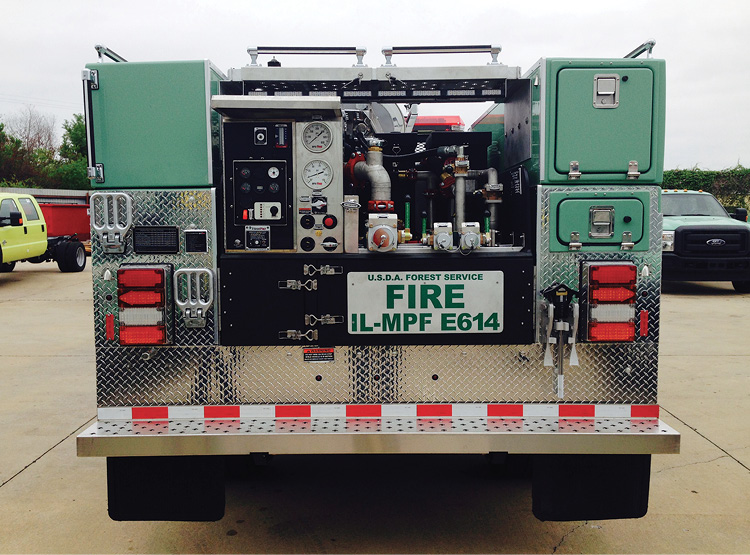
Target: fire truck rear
x,y
279,268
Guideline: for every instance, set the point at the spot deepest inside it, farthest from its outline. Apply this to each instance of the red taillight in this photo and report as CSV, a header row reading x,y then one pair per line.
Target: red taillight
x,y
143,335
142,296
611,274
148,278
136,297
612,331
612,294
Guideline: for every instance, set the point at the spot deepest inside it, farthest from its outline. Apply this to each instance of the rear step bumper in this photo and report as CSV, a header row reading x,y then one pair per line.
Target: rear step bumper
x,y
527,435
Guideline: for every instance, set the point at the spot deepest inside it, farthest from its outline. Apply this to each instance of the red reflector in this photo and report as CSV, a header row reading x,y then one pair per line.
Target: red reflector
x,y
612,331
221,412
137,297
612,295
110,326
150,413
611,274
141,277
363,411
143,335
644,411
577,411
434,411
644,323
293,411
504,410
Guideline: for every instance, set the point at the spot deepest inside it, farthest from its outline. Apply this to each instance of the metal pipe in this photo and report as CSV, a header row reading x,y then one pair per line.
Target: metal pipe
x,y
460,200
372,170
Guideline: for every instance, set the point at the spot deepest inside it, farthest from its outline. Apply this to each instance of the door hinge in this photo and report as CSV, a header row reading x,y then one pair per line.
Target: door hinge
x,y
96,173
91,75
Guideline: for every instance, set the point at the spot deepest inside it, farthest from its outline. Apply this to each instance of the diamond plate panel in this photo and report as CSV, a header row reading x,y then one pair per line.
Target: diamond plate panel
x,y
186,209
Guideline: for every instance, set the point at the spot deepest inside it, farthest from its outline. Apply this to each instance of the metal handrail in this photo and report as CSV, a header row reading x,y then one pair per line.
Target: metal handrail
x,y
493,50
111,54
358,51
647,46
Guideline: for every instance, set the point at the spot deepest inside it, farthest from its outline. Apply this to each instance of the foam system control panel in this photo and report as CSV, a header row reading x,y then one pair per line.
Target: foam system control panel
x,y
259,185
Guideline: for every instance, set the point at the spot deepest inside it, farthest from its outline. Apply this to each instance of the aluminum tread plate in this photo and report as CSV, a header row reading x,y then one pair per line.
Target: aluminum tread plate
x,y
529,435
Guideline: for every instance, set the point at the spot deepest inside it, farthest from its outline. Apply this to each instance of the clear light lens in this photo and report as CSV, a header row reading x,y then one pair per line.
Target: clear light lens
x,y
667,241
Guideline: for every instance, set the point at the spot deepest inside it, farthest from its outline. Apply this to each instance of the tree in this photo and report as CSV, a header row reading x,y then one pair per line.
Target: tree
x,y
34,129
71,172
73,145
16,168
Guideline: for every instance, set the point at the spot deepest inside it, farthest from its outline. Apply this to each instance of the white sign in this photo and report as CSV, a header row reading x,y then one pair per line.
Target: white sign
x,y
425,302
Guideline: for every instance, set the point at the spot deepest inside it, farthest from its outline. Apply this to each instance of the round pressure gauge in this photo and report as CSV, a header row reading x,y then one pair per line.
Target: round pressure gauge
x,y
317,137
317,174
273,172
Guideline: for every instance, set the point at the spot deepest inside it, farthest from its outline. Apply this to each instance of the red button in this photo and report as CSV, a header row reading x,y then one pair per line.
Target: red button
x,y
329,222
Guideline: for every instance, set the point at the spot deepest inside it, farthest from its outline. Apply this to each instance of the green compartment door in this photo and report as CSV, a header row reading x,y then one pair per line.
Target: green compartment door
x,y
599,221
603,139
152,124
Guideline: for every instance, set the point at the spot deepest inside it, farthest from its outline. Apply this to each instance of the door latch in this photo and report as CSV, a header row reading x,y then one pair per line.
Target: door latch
x,y
297,285
297,335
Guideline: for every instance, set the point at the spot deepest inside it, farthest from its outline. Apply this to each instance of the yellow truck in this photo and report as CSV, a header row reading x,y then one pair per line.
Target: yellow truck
x,y
23,237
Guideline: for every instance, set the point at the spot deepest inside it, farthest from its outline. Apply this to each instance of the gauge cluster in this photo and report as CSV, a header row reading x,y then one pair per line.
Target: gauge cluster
x,y
319,186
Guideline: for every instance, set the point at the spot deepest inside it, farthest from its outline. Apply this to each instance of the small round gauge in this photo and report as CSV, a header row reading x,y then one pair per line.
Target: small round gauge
x,y
245,172
317,137
245,187
274,187
317,174
273,172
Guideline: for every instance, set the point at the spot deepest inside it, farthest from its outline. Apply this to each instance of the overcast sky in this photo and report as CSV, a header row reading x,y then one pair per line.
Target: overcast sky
x,y
45,44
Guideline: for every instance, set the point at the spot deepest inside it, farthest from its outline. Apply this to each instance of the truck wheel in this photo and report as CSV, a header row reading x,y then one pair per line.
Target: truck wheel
x,y
7,266
590,487
71,256
741,286
166,488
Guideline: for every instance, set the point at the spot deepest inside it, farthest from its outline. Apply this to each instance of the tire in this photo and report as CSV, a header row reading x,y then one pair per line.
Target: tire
x,y
741,286
7,267
71,256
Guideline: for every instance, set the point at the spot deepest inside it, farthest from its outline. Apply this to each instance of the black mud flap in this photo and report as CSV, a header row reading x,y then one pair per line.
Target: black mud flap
x,y
166,488
590,487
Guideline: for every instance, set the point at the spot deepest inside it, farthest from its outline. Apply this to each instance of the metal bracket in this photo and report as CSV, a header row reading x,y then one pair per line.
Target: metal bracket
x,y
91,75
575,241
575,170
326,270
114,223
627,241
633,172
297,285
325,319
297,335
193,300
96,173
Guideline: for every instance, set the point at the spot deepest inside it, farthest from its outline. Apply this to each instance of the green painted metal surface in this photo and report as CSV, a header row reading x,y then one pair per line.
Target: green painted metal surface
x,y
603,140
152,124
571,212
